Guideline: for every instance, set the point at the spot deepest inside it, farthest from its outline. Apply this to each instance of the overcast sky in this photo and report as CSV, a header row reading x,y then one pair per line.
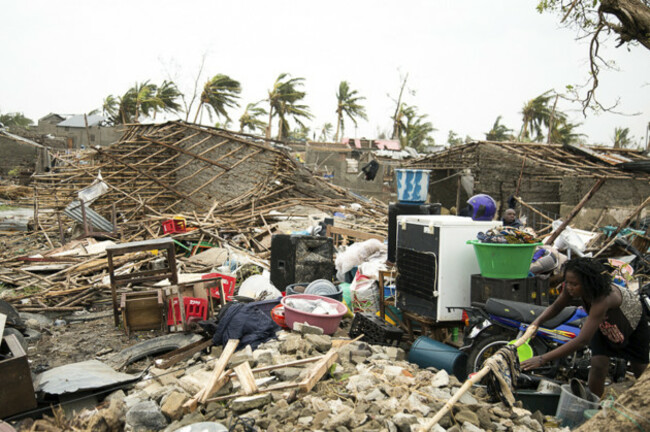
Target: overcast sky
x,y
468,61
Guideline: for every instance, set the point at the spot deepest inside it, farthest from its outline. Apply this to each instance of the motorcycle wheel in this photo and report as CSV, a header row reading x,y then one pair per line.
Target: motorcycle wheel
x,y
489,345
483,349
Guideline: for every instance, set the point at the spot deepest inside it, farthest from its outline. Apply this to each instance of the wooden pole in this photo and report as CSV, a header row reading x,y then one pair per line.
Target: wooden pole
x,y
521,174
533,209
575,211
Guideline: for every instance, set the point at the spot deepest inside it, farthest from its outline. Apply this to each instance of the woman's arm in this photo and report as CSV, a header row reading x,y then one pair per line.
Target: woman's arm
x,y
597,315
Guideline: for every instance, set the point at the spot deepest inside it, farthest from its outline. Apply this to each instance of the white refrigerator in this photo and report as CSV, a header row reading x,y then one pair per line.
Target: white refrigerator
x,y
435,263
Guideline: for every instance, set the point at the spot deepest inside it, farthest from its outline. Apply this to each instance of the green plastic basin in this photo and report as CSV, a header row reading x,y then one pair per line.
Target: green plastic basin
x,y
504,261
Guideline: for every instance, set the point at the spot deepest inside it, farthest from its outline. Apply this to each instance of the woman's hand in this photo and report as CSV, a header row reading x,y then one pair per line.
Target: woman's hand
x,y
533,363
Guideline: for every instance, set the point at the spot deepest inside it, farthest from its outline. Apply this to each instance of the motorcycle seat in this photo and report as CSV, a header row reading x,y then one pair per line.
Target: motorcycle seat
x,y
524,312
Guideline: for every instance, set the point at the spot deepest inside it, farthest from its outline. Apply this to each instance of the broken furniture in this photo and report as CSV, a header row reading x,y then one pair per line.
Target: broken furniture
x,y
17,393
143,310
167,272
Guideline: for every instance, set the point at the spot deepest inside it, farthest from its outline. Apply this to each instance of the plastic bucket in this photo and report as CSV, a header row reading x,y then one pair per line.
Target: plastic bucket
x,y
426,352
329,323
412,185
504,261
571,408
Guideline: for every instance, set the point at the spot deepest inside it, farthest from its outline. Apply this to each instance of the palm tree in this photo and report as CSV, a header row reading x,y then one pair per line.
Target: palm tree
x,y
283,98
144,99
165,98
110,107
622,138
536,113
413,129
347,103
219,93
499,132
15,119
563,132
326,132
250,118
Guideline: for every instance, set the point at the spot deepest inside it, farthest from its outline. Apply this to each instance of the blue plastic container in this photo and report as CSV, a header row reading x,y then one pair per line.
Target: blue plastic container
x,y
266,305
412,185
426,352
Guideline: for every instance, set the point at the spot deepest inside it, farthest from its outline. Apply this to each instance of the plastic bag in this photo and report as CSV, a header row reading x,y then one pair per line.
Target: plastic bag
x,y
355,255
94,191
365,294
568,240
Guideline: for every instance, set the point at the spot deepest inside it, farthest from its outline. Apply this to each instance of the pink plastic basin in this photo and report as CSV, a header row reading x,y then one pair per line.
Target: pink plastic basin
x,y
329,323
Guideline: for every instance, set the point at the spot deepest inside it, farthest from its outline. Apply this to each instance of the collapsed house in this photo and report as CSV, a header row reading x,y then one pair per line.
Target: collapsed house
x,y
551,178
235,181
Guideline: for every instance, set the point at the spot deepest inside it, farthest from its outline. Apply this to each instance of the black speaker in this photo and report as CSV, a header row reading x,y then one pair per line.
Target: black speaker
x,y
300,259
399,209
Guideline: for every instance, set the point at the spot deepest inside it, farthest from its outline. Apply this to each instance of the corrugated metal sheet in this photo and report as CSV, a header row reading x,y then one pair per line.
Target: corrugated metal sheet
x,y
74,377
78,121
73,210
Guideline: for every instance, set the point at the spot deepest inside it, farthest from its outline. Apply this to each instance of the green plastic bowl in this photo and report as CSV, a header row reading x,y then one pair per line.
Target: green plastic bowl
x,y
524,351
504,261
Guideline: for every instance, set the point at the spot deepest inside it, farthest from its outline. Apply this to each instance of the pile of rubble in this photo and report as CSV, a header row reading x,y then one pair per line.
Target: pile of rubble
x,y
367,388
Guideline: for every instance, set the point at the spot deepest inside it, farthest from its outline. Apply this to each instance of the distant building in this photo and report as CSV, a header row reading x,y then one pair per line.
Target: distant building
x,y
77,135
24,152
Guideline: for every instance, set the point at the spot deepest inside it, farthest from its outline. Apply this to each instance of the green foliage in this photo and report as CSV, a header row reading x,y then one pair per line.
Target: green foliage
x,y
499,132
219,93
300,133
326,132
413,129
453,139
539,115
15,120
622,138
283,101
250,119
143,99
347,104
14,172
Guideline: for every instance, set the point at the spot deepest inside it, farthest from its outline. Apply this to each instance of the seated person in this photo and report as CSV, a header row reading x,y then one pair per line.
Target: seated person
x,y
510,219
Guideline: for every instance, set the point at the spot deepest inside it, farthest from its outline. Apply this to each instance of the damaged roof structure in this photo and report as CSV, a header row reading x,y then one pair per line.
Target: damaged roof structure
x,y
177,167
552,178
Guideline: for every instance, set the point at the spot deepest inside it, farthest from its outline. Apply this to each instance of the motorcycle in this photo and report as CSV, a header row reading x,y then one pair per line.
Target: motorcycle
x,y
496,323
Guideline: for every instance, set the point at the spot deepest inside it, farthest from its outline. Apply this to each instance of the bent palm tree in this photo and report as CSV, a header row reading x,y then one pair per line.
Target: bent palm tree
x,y
348,104
622,138
536,113
250,118
499,132
219,93
143,99
283,98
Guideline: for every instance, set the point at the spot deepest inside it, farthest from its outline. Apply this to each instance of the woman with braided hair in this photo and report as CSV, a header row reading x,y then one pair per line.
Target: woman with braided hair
x,y
615,327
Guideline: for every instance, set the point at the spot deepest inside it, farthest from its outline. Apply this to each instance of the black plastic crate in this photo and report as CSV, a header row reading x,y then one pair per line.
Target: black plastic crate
x,y
531,290
375,330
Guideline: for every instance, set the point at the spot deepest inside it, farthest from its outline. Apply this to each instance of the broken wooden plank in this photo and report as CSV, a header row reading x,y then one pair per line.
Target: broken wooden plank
x,y
219,368
246,378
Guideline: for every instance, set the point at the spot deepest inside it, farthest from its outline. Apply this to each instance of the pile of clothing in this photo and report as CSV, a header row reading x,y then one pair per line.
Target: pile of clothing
x,y
507,235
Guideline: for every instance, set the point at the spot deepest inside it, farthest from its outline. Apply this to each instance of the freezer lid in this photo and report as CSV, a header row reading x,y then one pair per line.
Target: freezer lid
x,y
444,220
